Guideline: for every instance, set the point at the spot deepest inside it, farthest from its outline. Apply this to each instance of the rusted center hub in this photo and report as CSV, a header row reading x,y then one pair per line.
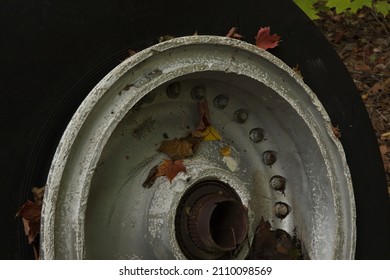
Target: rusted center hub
x,y
211,221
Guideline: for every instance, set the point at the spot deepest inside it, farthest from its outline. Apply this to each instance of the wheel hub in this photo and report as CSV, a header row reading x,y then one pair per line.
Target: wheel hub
x,y
211,221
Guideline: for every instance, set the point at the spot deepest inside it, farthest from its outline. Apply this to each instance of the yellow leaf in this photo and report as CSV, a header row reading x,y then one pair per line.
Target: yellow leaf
x,y
226,151
209,134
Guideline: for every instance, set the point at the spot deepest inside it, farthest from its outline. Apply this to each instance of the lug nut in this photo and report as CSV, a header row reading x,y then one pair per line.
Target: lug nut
x,y
198,93
256,135
269,157
241,115
173,90
281,210
278,183
221,101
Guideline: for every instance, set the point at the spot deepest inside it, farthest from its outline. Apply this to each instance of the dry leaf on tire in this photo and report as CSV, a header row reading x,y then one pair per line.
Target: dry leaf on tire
x,y
233,34
38,194
265,41
30,213
336,131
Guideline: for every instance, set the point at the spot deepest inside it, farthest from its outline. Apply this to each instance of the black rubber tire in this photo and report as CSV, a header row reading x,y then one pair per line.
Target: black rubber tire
x,y
53,53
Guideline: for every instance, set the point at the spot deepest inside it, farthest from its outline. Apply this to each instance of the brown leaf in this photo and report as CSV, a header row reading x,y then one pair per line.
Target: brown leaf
x,y
205,130
208,134
30,213
233,34
336,131
226,151
170,169
179,148
274,244
385,135
265,41
386,159
38,194
204,114
151,177
131,53
361,66
297,70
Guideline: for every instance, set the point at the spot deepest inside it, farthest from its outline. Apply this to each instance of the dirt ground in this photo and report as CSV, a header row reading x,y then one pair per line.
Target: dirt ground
x,y
363,43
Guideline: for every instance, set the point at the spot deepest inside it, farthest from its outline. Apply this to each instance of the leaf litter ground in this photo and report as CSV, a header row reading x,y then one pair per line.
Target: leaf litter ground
x,y
363,43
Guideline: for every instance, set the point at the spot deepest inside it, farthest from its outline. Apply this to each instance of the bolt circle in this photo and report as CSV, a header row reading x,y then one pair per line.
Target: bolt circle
x,y
281,210
198,93
221,101
173,90
256,135
269,157
241,115
278,183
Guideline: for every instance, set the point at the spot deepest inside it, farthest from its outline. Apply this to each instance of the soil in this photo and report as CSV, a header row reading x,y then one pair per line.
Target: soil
x,y
363,43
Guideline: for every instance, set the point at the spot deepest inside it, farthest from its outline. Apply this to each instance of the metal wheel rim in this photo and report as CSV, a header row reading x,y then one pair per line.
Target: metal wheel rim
x,y
324,217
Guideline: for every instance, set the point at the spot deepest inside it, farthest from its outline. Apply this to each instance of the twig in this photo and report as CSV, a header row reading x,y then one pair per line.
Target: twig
x,y
377,19
382,116
366,73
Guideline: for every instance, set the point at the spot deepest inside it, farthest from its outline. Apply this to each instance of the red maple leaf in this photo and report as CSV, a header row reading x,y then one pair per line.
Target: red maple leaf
x,y
264,40
168,168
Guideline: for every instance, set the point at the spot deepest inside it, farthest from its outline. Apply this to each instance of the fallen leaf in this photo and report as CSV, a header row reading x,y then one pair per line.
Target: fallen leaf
x,y
170,168
233,34
274,244
385,135
30,213
131,53
209,134
361,66
226,151
298,71
365,96
149,181
230,162
384,150
38,194
379,87
164,38
264,40
204,114
336,131
179,148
